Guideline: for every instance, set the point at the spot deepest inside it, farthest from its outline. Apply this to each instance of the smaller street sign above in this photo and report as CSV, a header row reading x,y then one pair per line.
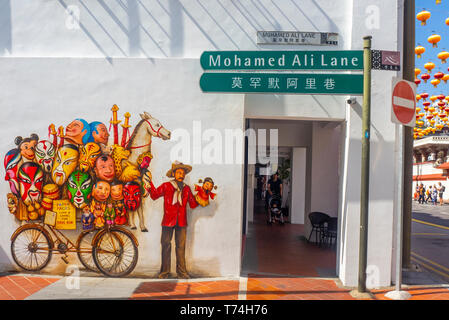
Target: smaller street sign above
x,y
386,60
297,38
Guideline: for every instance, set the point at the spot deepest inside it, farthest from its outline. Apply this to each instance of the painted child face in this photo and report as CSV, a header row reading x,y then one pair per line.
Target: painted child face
x,y
88,155
102,136
101,191
104,168
64,164
45,153
117,192
31,177
132,196
79,187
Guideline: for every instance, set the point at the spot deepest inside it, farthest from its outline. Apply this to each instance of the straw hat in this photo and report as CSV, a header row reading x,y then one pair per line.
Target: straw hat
x,y
178,165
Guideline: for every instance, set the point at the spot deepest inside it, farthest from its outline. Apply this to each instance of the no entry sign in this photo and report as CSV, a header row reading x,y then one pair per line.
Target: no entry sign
x,y
403,102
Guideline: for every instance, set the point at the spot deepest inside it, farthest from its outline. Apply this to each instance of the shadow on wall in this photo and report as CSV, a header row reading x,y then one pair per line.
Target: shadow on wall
x,y
7,264
158,27
5,27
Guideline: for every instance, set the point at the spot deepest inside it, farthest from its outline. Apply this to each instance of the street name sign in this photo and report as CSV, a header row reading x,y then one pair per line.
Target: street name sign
x,y
299,83
282,60
297,38
403,102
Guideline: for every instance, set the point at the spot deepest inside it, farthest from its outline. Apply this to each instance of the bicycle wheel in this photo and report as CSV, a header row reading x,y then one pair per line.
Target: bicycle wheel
x,y
31,249
84,250
115,253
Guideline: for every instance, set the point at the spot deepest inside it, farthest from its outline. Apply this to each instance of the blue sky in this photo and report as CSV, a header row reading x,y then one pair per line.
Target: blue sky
x,y
436,24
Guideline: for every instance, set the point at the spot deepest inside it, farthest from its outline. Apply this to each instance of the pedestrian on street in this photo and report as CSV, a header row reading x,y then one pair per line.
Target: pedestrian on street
x,y
422,194
429,194
441,190
434,195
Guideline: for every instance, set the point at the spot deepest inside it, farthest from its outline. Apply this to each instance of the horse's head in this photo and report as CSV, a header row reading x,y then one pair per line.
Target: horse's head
x,y
155,128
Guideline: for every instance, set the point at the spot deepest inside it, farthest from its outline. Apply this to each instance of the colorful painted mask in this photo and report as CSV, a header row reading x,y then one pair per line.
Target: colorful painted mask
x,y
132,195
31,177
79,187
101,191
88,155
104,168
99,132
78,131
27,146
117,191
45,154
12,158
64,164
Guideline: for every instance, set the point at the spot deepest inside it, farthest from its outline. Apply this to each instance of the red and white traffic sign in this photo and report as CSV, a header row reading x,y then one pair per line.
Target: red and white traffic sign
x,y
403,102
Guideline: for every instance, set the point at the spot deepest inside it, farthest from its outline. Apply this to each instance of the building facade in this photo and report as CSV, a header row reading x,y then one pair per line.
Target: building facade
x,y
68,59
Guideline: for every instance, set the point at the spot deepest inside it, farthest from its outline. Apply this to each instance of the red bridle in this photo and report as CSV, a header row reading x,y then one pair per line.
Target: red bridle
x,y
157,135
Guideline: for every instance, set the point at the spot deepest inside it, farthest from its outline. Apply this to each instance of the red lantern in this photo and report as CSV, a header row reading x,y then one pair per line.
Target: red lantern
x,y
441,97
417,81
425,77
426,103
441,104
424,95
438,75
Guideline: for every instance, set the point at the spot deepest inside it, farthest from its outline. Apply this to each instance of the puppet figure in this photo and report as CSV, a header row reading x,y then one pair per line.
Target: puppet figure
x,y
205,192
88,155
79,187
45,153
77,132
87,218
109,214
117,201
98,212
64,164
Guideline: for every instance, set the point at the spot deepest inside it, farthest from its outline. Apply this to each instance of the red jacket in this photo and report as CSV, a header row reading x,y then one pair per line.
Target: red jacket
x,y
174,213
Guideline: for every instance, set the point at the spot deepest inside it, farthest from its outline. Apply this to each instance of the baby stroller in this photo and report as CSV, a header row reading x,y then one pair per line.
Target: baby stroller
x,y
274,207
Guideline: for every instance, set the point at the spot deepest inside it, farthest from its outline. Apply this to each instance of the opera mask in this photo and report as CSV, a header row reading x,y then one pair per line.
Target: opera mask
x,y
12,158
64,164
117,191
88,155
101,191
99,132
78,132
104,168
79,186
31,177
45,153
132,195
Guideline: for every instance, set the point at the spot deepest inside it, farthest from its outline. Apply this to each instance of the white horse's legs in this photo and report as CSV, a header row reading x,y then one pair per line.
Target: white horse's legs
x,y
131,219
141,219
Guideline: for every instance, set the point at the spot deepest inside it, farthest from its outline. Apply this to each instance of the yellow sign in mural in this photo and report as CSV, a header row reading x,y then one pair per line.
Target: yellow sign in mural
x,y
65,214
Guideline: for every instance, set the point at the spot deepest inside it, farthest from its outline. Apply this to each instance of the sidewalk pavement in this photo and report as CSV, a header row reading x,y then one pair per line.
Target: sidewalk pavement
x,y
21,286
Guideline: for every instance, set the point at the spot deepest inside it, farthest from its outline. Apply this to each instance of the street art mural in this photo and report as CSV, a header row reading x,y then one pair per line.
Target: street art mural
x,y
81,180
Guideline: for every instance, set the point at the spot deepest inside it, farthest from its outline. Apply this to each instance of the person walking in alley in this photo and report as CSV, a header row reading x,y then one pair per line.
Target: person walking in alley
x,y
434,195
422,194
441,190
429,194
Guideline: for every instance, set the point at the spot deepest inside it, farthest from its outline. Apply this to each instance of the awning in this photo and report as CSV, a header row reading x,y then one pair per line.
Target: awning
x,y
427,177
444,166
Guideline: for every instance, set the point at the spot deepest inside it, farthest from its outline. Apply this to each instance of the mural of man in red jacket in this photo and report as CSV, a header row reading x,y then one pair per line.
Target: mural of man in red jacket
x,y
176,196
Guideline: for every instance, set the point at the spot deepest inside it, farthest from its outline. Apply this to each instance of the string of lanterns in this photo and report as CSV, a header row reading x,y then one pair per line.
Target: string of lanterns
x,y
432,112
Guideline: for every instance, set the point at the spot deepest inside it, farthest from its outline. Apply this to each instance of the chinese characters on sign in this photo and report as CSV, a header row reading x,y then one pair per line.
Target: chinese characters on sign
x,y
297,38
282,83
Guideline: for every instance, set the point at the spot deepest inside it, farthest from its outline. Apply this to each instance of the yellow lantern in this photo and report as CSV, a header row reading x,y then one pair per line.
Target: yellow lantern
x,y
435,82
417,71
419,50
429,66
443,55
438,1
434,39
423,16
418,97
445,77
447,21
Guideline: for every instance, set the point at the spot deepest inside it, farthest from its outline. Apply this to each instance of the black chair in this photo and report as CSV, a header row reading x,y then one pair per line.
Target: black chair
x,y
330,232
318,220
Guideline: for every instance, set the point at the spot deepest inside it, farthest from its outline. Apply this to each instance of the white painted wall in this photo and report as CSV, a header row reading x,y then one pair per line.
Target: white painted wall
x,y
299,163
37,92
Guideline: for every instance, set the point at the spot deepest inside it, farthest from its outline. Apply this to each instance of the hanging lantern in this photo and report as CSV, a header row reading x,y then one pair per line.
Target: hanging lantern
x,y
423,16
435,82
432,122
434,39
430,116
445,77
438,75
441,104
417,71
433,98
447,21
429,66
417,82
441,97
419,50
424,95
420,123
444,55
446,109
425,77
418,97
447,98
438,1
418,109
